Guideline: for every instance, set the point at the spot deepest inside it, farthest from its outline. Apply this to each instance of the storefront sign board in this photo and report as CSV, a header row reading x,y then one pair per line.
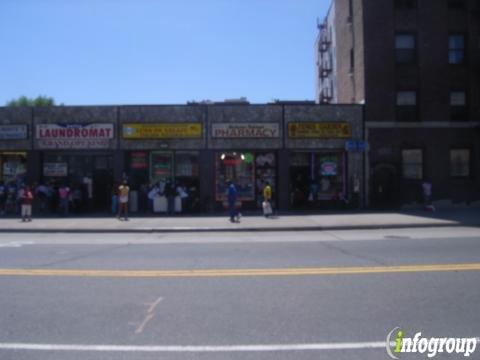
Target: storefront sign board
x,y
309,130
13,132
74,136
55,169
245,130
162,131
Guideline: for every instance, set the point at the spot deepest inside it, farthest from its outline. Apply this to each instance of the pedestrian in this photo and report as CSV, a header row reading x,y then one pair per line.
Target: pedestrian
x,y
267,200
427,195
232,202
123,191
3,197
170,193
26,201
64,197
88,185
41,192
182,192
114,201
154,192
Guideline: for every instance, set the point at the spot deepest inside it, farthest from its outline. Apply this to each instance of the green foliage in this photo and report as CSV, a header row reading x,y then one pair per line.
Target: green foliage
x,y
38,101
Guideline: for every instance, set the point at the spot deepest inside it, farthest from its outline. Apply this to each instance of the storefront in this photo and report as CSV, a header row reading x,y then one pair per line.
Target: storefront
x,y
13,167
149,168
162,152
13,163
78,155
324,171
318,179
249,171
246,154
300,149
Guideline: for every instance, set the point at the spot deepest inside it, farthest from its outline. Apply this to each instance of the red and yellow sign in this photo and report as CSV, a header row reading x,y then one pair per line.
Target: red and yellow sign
x,y
162,131
319,130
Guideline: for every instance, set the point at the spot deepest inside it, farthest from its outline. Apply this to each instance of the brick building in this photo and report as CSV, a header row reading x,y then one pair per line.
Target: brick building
x,y
415,64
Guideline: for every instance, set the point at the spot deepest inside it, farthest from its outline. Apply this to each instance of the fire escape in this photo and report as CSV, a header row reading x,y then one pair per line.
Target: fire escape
x,y
325,64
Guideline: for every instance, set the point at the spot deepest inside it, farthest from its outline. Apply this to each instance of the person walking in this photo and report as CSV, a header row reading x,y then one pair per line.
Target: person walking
x,y
232,201
26,200
3,197
123,191
427,195
64,196
267,200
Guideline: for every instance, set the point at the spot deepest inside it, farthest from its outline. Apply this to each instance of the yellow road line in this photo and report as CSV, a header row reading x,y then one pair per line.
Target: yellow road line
x,y
241,272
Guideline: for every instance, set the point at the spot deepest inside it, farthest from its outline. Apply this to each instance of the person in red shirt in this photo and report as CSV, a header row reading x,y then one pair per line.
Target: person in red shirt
x,y
26,200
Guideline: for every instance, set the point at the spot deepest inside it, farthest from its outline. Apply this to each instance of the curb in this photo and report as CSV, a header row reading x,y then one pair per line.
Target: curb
x,y
244,229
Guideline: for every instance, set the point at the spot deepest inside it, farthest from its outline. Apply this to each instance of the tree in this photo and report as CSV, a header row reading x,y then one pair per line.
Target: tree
x,y
38,101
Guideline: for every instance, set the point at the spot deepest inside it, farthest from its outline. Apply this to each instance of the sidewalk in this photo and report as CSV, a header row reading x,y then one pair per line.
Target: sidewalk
x,y
295,222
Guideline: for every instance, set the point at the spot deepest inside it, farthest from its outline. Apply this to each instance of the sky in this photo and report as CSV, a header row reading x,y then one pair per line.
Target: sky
x,y
113,52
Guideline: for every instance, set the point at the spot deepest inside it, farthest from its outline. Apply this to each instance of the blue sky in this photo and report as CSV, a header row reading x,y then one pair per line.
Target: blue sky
x,y
87,52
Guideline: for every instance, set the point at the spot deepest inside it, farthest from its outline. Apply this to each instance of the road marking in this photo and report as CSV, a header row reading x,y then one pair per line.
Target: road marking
x,y
241,272
179,349
145,321
16,244
154,304
150,315
196,349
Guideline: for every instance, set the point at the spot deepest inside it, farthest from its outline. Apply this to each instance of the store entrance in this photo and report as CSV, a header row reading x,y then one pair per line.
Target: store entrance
x,y
318,180
89,177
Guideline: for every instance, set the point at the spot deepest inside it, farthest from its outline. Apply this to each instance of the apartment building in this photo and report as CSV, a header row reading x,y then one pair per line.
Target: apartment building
x,y
415,64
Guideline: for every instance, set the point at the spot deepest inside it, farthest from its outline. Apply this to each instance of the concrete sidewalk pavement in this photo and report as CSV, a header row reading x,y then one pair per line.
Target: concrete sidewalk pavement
x,y
306,222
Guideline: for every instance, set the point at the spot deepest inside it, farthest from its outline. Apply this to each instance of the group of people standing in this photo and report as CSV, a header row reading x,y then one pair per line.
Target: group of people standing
x,y
175,195
234,205
48,198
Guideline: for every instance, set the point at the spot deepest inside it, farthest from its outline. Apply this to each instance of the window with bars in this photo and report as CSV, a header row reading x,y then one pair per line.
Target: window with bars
x,y
456,49
460,162
406,105
412,164
458,106
405,49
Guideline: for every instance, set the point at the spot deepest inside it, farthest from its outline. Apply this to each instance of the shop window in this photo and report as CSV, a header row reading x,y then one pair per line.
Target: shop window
x,y
186,164
458,108
412,164
405,49
265,170
138,167
13,167
460,163
161,166
238,167
316,177
406,109
456,49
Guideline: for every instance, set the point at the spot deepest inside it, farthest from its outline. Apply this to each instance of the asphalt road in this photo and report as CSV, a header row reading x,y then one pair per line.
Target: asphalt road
x,y
235,296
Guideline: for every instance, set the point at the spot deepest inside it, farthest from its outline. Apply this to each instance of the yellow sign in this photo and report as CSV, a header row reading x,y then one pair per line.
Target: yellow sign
x,y
333,130
162,131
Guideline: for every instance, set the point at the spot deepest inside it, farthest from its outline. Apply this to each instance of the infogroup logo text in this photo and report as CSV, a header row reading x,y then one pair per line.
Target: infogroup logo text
x,y
431,346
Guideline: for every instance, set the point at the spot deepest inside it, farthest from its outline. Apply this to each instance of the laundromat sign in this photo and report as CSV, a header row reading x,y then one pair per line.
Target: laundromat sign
x,y
74,136
314,130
